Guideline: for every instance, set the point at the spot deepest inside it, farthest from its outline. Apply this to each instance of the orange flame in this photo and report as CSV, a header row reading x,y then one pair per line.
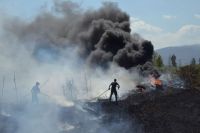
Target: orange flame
x,y
155,81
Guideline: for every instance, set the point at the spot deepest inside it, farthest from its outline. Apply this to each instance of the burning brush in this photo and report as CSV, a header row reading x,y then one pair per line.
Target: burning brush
x,y
154,82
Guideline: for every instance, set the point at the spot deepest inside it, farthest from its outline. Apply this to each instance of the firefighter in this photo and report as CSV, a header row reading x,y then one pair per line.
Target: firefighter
x,y
35,91
113,87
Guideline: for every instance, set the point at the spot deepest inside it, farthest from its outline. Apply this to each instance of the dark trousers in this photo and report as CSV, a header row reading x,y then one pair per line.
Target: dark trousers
x,y
115,92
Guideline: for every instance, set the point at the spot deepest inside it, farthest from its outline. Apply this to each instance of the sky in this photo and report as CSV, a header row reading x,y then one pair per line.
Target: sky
x,y
164,22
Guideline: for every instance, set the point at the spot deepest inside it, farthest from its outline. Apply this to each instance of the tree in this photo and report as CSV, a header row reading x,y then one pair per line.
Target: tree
x,y
173,59
155,56
159,62
193,61
199,61
191,75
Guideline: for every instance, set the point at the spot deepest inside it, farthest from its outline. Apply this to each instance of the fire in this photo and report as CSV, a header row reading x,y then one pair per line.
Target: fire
x,y
155,82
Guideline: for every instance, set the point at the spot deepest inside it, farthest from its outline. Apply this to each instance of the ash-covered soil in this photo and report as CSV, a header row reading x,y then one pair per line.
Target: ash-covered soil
x,y
171,111
177,112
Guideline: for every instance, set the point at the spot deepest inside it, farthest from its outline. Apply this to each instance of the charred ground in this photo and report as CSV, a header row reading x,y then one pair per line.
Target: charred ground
x,y
173,111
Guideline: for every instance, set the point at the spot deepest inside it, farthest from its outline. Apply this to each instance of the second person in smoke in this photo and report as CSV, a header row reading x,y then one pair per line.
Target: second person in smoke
x,y
113,86
35,91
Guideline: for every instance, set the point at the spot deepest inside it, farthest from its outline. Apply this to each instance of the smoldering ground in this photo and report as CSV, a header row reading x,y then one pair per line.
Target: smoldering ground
x,y
88,47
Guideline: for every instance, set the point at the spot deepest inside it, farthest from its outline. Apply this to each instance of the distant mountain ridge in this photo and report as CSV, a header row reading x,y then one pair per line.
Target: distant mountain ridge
x,y
184,54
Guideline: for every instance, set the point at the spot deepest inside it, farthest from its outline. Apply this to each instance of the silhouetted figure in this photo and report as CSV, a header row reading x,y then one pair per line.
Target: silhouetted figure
x,y
113,86
35,90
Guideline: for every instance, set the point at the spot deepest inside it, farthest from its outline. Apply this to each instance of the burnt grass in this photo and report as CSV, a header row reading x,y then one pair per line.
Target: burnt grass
x,y
172,111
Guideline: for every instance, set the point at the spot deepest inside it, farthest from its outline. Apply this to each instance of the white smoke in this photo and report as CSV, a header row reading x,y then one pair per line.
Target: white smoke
x,y
53,72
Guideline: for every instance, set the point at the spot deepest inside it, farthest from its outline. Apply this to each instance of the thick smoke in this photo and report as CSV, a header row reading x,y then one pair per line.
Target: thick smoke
x,y
101,36
58,46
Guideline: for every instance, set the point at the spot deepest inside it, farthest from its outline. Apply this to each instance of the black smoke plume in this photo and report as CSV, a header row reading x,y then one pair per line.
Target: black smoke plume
x,y
101,36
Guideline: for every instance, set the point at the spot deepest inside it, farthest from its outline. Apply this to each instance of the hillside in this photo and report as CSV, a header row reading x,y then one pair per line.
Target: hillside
x,y
184,54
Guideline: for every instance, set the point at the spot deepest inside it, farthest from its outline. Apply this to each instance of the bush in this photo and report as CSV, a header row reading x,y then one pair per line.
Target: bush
x,y
191,75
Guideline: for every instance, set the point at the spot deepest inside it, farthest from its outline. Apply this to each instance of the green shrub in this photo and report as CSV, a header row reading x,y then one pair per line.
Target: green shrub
x,y
191,75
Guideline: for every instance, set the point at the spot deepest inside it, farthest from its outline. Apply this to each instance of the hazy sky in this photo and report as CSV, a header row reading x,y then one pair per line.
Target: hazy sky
x,y
164,22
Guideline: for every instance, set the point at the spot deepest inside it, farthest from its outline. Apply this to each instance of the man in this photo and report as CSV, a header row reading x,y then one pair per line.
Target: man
x,y
113,86
35,90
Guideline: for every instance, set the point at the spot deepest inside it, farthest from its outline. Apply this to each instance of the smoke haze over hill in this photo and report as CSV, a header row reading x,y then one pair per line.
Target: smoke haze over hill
x,y
184,54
